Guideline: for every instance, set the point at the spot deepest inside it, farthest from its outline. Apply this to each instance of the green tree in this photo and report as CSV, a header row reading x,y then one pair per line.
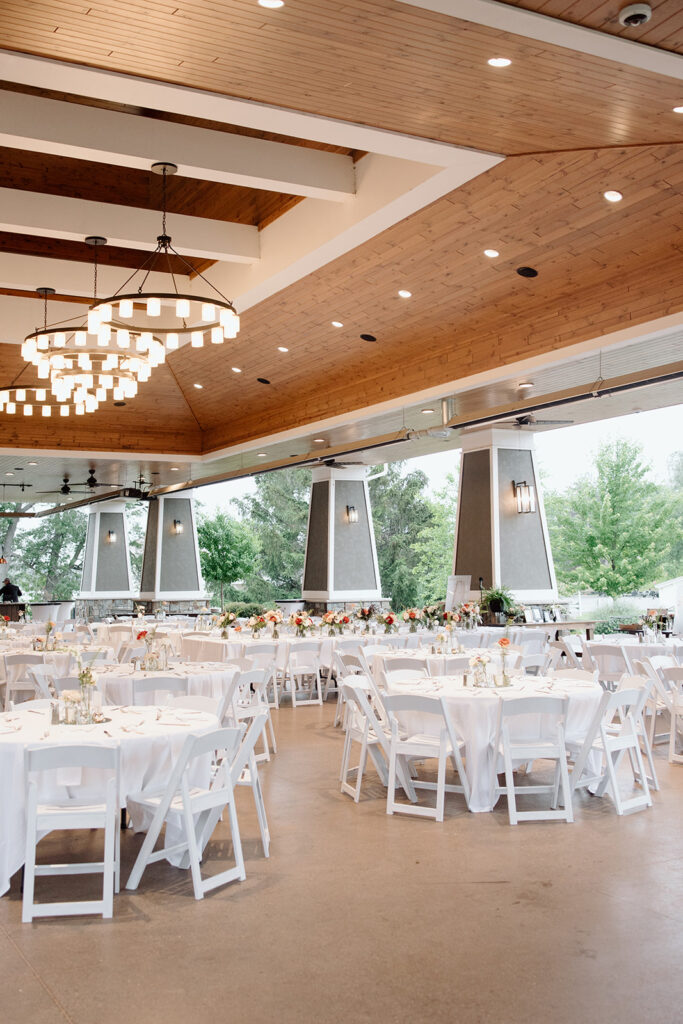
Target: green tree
x,y
673,566
9,528
400,512
49,556
433,547
227,549
278,516
611,533
136,524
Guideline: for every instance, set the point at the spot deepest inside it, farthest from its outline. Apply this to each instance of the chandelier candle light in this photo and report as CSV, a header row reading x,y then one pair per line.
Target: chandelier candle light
x,y
124,338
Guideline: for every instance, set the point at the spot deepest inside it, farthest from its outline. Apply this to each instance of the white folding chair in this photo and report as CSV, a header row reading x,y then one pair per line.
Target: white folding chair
x,y
611,661
407,746
263,656
244,772
189,810
251,699
128,651
455,664
16,677
43,680
346,664
67,814
368,729
660,702
534,664
156,685
392,664
304,663
644,685
406,675
90,657
613,732
538,733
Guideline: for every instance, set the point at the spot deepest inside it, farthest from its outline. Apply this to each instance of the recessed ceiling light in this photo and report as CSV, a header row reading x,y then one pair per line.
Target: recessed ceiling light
x,y
678,110
272,5
174,469
337,323
8,473
426,411
262,455
404,293
236,369
527,271
491,253
33,463
500,62
199,387
318,440
612,196
525,384
281,348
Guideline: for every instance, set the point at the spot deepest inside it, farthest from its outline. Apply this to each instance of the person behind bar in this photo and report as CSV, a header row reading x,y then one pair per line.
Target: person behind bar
x,y
10,591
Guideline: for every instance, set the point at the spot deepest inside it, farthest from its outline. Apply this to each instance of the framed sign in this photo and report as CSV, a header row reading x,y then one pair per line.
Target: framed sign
x,y
457,591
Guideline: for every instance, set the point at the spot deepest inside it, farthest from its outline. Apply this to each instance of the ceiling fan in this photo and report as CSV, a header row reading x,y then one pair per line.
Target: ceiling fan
x,y
529,420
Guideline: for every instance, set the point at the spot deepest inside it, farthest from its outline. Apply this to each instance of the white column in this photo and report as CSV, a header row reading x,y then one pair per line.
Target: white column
x,y
106,562
494,541
341,558
171,569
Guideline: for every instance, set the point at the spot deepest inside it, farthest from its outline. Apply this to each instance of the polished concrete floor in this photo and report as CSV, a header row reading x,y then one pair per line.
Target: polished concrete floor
x,y
359,917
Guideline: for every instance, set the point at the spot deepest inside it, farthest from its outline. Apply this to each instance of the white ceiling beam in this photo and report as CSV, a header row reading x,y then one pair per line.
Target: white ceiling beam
x,y
546,29
127,140
70,277
78,80
35,213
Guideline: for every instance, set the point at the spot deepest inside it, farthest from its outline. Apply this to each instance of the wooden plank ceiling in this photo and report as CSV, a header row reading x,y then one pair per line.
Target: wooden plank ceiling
x,y
664,30
572,126
374,62
600,267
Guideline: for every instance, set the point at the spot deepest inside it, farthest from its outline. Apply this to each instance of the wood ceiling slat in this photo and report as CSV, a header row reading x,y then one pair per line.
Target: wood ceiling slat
x,y
368,61
84,179
664,30
65,249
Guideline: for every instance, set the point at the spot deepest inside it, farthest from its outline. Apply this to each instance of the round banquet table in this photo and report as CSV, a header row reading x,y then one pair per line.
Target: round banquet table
x,y
435,663
63,660
149,746
474,713
203,680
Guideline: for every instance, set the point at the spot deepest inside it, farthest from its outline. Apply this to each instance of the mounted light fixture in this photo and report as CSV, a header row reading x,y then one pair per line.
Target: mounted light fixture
x,y
525,496
351,514
177,526
126,335
111,536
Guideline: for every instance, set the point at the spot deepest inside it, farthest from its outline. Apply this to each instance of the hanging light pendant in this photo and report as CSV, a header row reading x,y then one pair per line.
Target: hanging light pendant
x,y
173,317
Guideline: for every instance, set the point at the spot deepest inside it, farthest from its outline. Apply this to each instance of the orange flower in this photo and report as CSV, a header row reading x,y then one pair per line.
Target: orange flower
x,y
504,642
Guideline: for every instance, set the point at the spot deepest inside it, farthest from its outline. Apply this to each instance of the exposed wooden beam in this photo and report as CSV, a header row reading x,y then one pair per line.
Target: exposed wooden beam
x,y
33,213
125,140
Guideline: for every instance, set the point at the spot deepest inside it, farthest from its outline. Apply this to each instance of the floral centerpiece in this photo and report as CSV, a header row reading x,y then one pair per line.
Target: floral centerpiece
x,y
150,661
431,615
413,616
330,620
503,646
256,623
479,664
365,615
88,683
388,620
3,623
451,619
274,618
224,622
342,620
470,614
140,611
301,621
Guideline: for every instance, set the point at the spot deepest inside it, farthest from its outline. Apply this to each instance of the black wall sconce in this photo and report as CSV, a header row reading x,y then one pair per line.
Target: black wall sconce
x,y
351,514
177,526
525,496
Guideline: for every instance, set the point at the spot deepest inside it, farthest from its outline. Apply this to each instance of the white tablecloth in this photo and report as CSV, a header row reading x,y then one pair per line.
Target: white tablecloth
x,y
147,759
62,660
204,680
474,715
209,648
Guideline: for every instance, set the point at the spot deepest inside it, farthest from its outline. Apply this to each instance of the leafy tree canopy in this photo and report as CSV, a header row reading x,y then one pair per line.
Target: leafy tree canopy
x,y
227,549
612,533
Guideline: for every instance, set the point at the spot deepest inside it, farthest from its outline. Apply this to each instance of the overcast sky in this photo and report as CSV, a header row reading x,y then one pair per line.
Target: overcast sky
x,y
564,454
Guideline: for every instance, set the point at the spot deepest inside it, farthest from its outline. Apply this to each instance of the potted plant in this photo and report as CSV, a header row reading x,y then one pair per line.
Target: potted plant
x,y
497,601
